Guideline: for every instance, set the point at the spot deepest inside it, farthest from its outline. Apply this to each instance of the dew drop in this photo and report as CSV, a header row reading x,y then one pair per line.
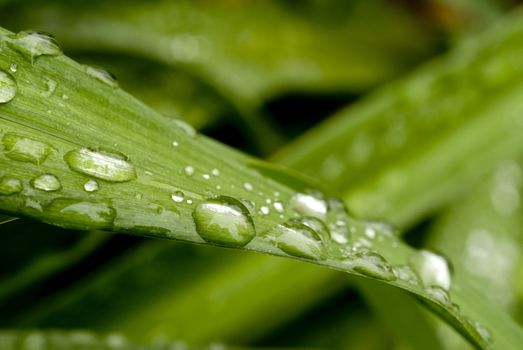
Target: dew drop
x,y
215,172
82,215
100,164
175,143
91,186
51,87
13,68
482,331
46,182
34,44
177,196
7,87
373,265
10,185
206,176
187,129
433,269
248,186
224,221
189,170
406,274
265,210
278,206
297,239
309,205
438,293
102,75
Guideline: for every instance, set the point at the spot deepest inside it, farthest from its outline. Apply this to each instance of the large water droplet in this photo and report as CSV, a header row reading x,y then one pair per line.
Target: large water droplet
x,y
7,87
373,265
100,164
34,44
309,205
46,182
10,185
102,75
82,215
224,221
296,238
433,269
24,149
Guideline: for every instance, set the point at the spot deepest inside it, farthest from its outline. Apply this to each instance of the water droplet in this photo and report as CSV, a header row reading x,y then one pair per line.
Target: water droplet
x,y
297,239
175,143
34,44
438,293
370,232
189,201
309,205
100,164
206,176
224,221
433,269
13,68
46,182
7,87
177,196
278,206
406,274
82,215
51,87
248,186
215,172
10,185
187,129
91,186
265,210
482,331
373,265
189,170
102,75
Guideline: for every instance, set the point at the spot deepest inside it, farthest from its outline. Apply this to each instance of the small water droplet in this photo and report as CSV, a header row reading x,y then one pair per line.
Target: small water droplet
x,y
82,215
187,129
370,232
34,44
10,185
206,176
433,269
373,265
177,196
46,182
189,201
482,331
100,164
91,186
278,206
309,205
224,221
13,68
175,144
248,186
265,210
51,87
7,87
102,75
297,239
215,172
406,274
438,293
189,170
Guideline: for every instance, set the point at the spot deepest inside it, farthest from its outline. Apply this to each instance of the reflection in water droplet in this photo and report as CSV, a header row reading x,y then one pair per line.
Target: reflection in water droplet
x,y
10,185
177,196
91,186
102,75
82,215
46,182
224,221
433,269
297,239
100,164
309,205
7,87
34,44
373,265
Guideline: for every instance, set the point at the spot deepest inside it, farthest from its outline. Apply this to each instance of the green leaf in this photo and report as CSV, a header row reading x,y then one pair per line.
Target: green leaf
x,y
145,186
